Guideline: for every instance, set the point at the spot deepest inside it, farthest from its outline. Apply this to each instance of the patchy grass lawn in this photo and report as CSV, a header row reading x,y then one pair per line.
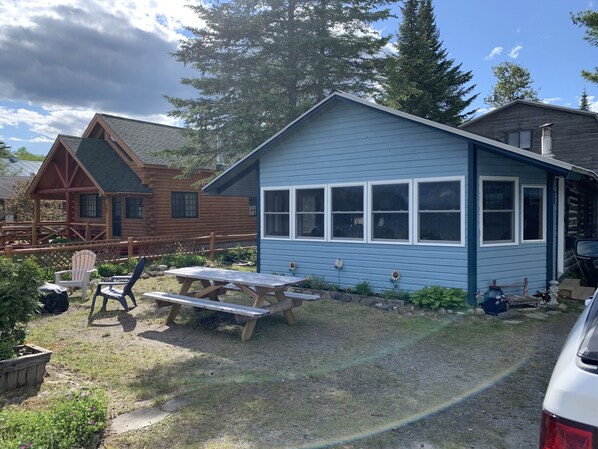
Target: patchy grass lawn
x,y
344,376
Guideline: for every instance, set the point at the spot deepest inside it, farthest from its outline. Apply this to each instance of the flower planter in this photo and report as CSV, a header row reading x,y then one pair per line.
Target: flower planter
x,y
27,369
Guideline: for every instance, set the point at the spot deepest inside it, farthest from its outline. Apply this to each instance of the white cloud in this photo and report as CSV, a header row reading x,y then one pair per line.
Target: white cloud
x,y
551,100
514,53
496,51
593,103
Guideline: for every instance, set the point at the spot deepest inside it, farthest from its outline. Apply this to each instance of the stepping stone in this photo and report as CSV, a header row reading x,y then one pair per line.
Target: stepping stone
x,y
537,315
137,419
512,322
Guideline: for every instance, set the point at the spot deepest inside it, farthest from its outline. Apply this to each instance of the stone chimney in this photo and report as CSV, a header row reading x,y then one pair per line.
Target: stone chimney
x,y
547,140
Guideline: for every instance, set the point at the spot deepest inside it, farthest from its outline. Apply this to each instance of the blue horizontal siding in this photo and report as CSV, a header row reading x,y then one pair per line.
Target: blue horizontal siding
x,y
374,263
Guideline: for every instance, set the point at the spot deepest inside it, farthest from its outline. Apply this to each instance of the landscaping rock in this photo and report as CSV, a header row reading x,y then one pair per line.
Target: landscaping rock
x,y
478,311
162,268
137,419
538,316
509,314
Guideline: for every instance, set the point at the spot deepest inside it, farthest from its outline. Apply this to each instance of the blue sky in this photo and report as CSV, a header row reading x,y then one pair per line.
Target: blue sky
x,y
63,60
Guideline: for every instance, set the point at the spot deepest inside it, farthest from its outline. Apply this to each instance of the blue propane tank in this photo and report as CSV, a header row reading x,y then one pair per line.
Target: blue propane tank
x,y
495,301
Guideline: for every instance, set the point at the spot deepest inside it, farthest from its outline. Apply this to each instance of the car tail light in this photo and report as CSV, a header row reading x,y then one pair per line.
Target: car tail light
x,y
558,433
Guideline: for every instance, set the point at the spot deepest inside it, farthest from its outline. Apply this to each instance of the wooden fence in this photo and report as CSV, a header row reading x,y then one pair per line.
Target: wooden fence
x,y
114,251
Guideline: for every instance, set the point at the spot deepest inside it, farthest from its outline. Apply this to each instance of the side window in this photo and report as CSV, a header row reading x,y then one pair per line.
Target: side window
x,y
498,211
309,213
439,212
184,205
134,208
276,213
347,212
521,138
534,213
90,205
390,212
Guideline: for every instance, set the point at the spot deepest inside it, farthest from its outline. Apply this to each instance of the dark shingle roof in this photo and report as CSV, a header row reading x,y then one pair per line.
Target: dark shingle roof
x,y
145,138
106,167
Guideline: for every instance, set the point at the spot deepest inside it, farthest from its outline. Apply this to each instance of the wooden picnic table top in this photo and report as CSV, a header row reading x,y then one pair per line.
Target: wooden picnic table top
x,y
235,277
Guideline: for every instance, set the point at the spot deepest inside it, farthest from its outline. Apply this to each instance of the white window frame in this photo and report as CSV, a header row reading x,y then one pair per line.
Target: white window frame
x,y
415,214
366,221
544,204
370,237
516,209
327,216
263,213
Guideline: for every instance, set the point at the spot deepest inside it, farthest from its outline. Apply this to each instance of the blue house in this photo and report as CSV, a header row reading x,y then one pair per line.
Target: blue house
x,y
386,191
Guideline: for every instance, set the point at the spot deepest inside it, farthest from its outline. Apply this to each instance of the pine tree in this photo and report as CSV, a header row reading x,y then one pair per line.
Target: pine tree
x,y
589,19
584,103
263,63
420,78
513,82
5,153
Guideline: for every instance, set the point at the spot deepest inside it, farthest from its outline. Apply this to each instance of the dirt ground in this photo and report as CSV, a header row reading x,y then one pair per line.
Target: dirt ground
x,y
346,376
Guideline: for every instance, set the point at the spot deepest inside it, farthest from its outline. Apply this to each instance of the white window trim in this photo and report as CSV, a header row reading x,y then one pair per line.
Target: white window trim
x,y
516,227
263,213
326,213
543,188
366,221
370,238
415,214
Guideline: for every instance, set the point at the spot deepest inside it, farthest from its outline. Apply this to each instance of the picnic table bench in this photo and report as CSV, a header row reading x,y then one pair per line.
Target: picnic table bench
x,y
267,291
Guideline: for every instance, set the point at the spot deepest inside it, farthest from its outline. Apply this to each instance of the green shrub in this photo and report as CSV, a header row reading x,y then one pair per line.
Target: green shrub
x,y
316,282
402,295
18,301
436,296
107,270
238,254
183,260
364,288
73,421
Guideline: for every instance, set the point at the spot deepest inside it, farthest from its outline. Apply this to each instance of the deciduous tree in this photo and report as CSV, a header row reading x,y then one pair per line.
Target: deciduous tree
x,y
513,82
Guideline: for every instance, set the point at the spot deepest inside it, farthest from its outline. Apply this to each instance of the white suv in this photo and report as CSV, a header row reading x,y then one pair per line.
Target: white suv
x,y
570,415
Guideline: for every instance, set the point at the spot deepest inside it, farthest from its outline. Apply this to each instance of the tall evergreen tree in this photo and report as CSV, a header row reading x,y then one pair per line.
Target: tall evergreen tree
x,y
513,82
420,78
584,103
4,154
262,63
589,19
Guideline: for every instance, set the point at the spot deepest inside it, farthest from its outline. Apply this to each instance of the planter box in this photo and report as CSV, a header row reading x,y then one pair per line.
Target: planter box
x,y
27,369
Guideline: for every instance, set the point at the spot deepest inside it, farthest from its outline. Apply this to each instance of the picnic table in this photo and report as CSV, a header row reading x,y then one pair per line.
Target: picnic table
x,y
267,291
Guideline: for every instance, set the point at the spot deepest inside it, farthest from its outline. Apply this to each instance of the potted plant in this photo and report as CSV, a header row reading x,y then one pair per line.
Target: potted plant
x,y
19,364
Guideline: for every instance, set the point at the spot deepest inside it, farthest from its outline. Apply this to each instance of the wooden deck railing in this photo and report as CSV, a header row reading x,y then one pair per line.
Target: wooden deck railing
x,y
113,251
22,232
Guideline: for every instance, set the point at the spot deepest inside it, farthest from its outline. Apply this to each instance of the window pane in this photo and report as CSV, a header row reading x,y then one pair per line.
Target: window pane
x,y
310,225
513,139
184,205
90,205
310,200
276,201
134,207
525,139
390,197
440,227
498,195
498,227
252,206
347,198
440,195
348,226
277,225
533,213
390,226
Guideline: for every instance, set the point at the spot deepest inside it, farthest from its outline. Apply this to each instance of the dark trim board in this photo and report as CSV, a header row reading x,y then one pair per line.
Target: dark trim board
x,y
258,218
472,224
550,229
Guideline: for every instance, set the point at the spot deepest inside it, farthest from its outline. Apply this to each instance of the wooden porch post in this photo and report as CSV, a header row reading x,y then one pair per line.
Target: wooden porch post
x,y
69,212
36,215
108,202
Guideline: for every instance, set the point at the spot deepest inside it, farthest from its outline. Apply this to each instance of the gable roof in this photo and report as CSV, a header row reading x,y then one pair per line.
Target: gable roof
x,y
18,167
244,165
145,138
536,104
106,168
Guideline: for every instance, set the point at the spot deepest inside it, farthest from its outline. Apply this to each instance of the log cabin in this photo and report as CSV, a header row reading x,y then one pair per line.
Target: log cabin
x,y
116,184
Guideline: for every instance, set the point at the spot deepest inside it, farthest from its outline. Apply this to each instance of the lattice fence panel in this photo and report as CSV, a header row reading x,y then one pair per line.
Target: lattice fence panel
x,y
110,253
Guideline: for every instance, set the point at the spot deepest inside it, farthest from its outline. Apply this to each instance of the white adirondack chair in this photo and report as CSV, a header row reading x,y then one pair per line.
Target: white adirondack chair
x,y
82,266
